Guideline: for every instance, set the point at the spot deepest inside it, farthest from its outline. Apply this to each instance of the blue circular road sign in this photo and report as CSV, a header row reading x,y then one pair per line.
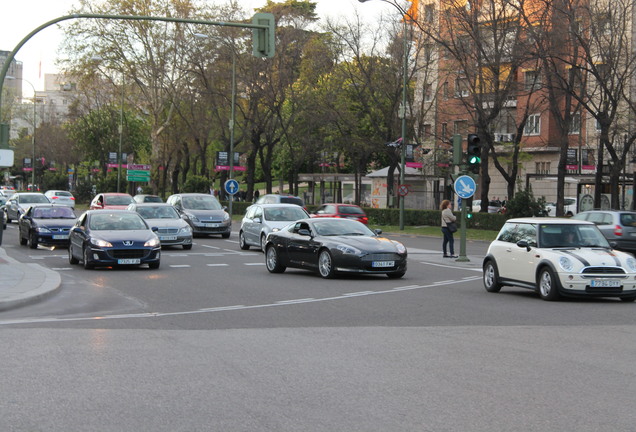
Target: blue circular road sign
x,y
231,186
465,186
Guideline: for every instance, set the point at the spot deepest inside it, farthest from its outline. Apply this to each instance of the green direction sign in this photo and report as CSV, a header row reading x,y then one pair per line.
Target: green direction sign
x,y
139,173
138,178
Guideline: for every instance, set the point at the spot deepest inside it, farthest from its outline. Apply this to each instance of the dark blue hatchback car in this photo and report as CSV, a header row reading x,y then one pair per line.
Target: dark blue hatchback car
x,y
113,238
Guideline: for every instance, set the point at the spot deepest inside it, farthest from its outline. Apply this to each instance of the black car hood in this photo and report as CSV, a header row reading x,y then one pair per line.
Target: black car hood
x,y
365,243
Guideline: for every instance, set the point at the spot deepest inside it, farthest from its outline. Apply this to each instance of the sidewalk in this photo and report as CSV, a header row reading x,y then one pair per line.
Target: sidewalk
x,y
22,284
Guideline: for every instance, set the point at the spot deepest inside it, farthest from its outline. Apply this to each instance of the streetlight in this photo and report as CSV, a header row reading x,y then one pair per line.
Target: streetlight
x,y
402,111
232,115
97,58
34,125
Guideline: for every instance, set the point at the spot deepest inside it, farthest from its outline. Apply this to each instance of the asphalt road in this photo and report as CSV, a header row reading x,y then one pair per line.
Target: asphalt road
x,y
212,341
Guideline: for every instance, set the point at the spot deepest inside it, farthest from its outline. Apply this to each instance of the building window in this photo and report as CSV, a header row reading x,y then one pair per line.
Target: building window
x,y
532,80
427,131
533,125
428,92
460,127
542,167
445,91
461,87
444,132
575,123
429,13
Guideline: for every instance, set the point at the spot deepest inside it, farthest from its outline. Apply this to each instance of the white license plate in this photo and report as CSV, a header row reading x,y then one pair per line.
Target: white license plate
x,y
60,237
383,264
129,261
211,225
605,283
162,238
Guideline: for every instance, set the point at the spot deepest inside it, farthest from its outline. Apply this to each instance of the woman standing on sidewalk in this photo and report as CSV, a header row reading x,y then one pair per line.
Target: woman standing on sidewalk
x,y
447,218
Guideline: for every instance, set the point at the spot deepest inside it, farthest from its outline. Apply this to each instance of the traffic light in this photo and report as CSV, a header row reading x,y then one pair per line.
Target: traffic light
x,y
473,153
263,39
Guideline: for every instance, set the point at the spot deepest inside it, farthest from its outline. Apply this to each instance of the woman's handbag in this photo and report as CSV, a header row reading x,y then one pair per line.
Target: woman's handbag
x,y
452,226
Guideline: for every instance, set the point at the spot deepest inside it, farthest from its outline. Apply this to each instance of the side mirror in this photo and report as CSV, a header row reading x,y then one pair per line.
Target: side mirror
x,y
78,230
304,232
524,244
154,229
377,231
257,220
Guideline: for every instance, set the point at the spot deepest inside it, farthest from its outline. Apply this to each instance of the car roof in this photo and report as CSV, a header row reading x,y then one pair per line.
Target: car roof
x,y
277,205
152,204
114,193
549,221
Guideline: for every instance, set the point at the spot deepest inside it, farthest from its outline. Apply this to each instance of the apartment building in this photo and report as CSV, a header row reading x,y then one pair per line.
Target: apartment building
x,y
485,74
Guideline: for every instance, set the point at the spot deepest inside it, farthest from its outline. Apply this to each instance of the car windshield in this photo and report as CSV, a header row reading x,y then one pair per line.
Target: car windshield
x,y
118,200
152,198
291,200
116,222
570,235
159,212
53,213
342,227
203,202
33,199
284,214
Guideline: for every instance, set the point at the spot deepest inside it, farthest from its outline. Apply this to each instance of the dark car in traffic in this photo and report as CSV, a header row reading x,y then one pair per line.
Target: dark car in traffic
x,y
203,212
113,238
330,246
46,225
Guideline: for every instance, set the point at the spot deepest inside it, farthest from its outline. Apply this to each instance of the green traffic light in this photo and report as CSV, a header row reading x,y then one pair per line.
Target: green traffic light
x,y
469,215
474,160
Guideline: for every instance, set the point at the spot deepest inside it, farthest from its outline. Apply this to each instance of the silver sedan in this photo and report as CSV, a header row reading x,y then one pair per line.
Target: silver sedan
x,y
261,219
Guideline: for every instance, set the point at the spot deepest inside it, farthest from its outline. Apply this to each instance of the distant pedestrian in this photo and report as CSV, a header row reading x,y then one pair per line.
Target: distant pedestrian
x,y
448,228
257,194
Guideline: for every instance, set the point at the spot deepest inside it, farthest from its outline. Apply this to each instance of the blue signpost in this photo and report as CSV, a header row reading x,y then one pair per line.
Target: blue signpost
x,y
465,187
231,186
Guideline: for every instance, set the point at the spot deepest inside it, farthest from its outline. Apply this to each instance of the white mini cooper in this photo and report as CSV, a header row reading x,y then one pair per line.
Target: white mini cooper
x,y
558,257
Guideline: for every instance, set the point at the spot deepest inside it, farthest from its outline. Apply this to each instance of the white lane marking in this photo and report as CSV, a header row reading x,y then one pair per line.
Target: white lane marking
x,y
453,267
254,264
211,247
226,308
217,265
180,265
61,268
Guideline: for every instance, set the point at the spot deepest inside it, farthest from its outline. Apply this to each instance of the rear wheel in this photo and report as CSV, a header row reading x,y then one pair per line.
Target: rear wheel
x,y
491,277
548,285
325,265
272,260
242,243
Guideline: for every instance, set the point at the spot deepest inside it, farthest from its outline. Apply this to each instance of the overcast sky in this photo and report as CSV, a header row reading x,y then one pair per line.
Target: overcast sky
x,y
19,18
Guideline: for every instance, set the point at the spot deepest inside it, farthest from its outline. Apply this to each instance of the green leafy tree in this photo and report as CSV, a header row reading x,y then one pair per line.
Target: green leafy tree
x,y
524,204
198,184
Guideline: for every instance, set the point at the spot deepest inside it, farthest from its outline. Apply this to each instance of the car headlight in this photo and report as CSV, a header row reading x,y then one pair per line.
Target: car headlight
x,y
101,243
192,217
345,249
566,264
631,264
185,230
226,217
400,247
43,230
153,242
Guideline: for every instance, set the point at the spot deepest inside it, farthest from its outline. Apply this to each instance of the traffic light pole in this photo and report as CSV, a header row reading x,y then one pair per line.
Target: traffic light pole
x,y
458,160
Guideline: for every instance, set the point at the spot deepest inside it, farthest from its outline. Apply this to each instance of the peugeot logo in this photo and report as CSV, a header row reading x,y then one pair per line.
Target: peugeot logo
x,y
128,243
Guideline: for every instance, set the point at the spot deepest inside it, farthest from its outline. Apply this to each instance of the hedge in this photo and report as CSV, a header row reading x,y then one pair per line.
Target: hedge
x,y
391,216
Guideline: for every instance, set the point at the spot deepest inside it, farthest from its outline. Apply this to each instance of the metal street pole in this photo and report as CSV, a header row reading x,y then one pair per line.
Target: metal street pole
x,y
402,111
34,126
232,123
121,132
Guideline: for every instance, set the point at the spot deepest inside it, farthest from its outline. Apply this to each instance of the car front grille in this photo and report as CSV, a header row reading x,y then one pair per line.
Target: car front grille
x,y
168,230
60,230
128,253
603,270
383,257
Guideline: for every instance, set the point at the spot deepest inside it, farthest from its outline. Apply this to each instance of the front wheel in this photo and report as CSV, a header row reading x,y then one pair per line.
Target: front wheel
x,y
242,243
23,240
71,258
491,277
87,262
325,265
187,246
548,285
396,275
628,299
272,260
33,240
154,265
263,242
225,235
